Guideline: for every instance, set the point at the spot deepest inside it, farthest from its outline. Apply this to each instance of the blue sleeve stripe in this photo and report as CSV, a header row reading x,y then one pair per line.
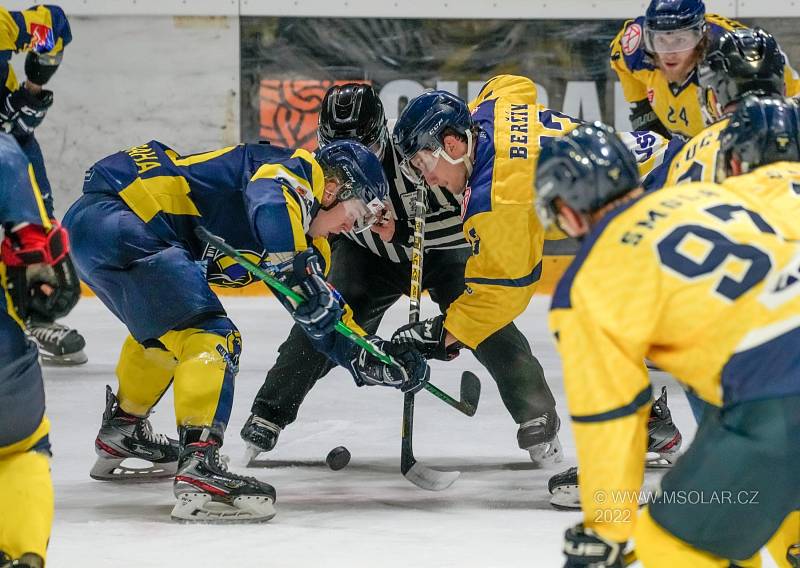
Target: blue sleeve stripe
x,y
24,38
640,400
510,282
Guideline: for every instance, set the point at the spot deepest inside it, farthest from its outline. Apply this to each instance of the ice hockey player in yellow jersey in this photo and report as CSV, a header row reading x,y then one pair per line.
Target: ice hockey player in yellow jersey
x,y
714,300
655,58
486,153
742,63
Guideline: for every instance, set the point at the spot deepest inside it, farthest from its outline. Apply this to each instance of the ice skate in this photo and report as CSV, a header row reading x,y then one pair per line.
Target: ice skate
x,y
58,344
123,436
208,493
540,437
664,439
564,491
260,436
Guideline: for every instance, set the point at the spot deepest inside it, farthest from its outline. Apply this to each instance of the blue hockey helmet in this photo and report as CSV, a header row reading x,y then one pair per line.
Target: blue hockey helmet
x,y
739,63
586,169
363,186
761,131
422,126
674,25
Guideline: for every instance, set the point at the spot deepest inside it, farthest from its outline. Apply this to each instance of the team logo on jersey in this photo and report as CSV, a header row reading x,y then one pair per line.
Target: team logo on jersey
x,y
223,271
41,38
631,39
289,110
651,94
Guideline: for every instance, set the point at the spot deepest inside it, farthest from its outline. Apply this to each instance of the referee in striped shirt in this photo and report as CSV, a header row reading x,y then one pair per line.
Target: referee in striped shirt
x,y
372,270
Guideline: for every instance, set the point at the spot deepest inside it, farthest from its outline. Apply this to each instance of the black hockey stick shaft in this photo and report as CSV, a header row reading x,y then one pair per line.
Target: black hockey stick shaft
x,y
279,288
417,473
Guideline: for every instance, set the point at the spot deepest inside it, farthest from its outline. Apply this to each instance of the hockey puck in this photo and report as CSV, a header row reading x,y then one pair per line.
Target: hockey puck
x,y
338,458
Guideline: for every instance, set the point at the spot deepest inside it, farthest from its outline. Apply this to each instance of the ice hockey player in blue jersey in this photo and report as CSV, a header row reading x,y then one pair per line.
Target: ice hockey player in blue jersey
x,y
43,32
32,243
135,246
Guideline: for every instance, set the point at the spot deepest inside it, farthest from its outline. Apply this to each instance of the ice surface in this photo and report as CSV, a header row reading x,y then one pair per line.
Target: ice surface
x,y
495,515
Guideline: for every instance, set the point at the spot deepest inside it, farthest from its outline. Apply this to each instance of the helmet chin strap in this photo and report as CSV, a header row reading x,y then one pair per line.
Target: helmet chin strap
x,y
466,159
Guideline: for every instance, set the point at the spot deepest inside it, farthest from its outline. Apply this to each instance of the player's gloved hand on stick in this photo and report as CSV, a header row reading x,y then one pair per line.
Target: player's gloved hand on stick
x,y
322,309
428,337
410,376
585,548
23,111
41,277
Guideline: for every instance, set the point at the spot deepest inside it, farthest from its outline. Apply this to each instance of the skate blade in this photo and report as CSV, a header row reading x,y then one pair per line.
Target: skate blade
x,y
548,453
67,360
107,469
566,498
660,461
201,508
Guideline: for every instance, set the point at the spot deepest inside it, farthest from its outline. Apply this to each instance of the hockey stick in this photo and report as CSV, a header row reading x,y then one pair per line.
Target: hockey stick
x,y
467,405
417,473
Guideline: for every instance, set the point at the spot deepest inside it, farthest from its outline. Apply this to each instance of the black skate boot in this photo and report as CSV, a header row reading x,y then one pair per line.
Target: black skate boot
x,y
664,439
564,490
27,560
540,437
58,344
208,492
260,436
124,436
663,442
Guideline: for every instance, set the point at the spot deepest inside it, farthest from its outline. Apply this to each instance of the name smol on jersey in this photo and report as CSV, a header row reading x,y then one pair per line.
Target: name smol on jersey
x,y
635,235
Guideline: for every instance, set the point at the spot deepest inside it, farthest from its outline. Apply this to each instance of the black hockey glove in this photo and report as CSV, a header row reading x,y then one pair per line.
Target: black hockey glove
x,y
22,111
322,308
42,281
427,336
583,548
793,555
410,376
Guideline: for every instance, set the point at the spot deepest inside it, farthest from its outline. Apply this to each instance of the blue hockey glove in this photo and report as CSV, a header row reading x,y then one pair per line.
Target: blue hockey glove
x,y
410,376
322,309
427,337
584,547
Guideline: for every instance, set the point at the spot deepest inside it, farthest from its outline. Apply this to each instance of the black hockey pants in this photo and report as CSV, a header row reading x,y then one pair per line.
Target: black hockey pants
x,y
371,284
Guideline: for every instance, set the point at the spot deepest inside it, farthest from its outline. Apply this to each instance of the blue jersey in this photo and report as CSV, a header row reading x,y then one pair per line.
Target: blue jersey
x,y
257,197
20,199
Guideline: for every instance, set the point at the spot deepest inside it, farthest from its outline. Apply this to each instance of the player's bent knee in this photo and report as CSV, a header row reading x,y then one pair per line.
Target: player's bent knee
x,y
208,355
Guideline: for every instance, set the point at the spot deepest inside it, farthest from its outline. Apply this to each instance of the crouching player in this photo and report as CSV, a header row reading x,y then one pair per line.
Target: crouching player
x,y
134,245
715,301
32,242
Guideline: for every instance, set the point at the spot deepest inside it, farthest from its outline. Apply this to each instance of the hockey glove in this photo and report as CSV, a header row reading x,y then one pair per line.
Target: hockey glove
x,y
22,111
585,548
42,280
427,337
410,376
322,309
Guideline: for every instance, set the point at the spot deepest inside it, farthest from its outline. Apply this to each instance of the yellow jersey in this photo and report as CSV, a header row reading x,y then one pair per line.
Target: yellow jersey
x,y
498,214
677,107
693,278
